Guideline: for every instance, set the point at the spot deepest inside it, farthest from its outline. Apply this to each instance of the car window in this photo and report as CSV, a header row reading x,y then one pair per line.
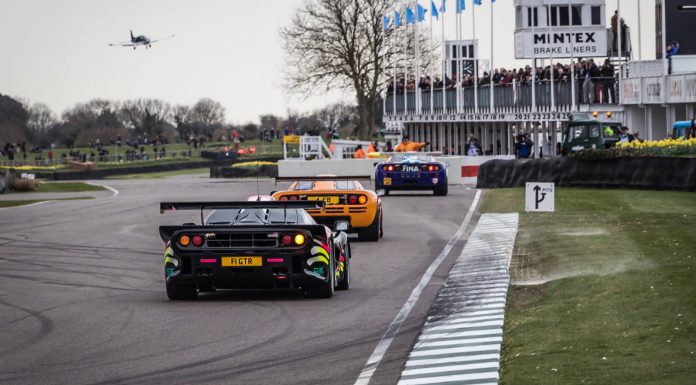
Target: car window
x,y
594,132
612,131
578,132
345,185
304,185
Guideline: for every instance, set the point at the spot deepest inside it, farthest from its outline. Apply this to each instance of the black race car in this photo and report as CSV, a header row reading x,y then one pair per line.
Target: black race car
x,y
254,245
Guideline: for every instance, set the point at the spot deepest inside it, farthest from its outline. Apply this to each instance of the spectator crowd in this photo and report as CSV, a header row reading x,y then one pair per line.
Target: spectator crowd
x,y
596,83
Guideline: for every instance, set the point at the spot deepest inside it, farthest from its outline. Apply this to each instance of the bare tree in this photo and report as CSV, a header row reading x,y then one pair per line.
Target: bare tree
x,y
342,44
146,116
208,112
40,117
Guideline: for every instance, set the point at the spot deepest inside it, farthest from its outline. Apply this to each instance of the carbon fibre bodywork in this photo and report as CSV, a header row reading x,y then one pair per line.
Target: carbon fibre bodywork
x,y
212,256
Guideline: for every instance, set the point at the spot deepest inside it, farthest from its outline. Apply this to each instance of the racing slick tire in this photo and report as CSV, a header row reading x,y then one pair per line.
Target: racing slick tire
x,y
345,282
386,191
321,291
181,290
373,232
441,191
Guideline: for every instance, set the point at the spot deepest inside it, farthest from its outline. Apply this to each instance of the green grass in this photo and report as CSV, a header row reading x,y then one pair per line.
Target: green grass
x,y
262,149
24,202
162,174
609,288
64,187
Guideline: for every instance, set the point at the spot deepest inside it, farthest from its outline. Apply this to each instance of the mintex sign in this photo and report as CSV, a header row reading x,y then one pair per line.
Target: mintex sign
x,y
557,43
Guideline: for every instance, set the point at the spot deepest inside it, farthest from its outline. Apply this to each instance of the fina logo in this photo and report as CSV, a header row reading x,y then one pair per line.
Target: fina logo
x,y
410,168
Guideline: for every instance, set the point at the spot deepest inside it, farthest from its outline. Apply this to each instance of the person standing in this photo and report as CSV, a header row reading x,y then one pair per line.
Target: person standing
x,y
473,147
691,132
524,147
625,136
359,153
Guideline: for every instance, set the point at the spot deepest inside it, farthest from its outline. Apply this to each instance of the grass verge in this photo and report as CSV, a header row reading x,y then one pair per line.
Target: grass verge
x,y
603,289
64,187
163,174
24,202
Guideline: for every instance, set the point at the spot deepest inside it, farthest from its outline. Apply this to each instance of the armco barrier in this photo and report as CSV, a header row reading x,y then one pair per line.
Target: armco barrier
x,y
471,165
462,169
659,173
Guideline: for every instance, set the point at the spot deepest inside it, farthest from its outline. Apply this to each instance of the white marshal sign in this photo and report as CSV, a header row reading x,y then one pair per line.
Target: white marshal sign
x,y
539,197
581,42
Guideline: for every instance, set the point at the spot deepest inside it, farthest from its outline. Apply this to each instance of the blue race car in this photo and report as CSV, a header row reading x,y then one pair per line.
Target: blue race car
x,y
411,171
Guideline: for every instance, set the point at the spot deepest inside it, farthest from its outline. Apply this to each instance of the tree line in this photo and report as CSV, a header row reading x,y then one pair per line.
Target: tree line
x,y
37,125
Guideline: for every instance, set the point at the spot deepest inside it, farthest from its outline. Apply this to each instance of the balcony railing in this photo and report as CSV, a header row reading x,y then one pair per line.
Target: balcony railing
x,y
506,98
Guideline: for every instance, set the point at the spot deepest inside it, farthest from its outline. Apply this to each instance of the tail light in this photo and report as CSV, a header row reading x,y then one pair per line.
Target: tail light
x,y
286,240
362,199
433,167
299,239
293,197
283,198
184,240
352,199
197,240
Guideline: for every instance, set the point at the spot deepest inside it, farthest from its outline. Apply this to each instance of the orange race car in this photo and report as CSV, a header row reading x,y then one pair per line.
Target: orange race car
x,y
346,199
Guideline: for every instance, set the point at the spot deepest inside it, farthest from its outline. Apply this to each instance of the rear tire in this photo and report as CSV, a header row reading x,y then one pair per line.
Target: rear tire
x,y
442,190
372,232
181,290
326,291
386,191
345,283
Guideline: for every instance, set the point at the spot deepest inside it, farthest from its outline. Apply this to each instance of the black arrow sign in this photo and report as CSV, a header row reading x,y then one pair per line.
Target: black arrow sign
x,y
537,199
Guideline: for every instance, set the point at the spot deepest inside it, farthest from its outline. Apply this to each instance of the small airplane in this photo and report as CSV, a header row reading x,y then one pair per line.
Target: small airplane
x,y
142,40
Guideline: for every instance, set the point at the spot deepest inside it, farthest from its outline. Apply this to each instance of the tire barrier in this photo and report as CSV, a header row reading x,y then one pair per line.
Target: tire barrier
x,y
658,173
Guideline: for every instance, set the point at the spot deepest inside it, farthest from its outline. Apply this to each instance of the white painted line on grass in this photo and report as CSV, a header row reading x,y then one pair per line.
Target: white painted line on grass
x,y
493,375
453,359
451,368
393,328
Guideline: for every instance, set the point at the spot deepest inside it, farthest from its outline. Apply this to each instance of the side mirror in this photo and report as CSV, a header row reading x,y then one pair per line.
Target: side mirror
x,y
341,226
273,192
375,164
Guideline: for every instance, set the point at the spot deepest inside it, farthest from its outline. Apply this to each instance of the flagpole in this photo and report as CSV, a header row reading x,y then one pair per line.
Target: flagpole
x,y
572,61
476,59
444,64
619,30
393,42
405,68
535,17
430,67
416,62
457,72
548,21
490,72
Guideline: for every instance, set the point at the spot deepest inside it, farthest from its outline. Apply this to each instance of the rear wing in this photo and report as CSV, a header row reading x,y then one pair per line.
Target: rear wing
x,y
322,178
173,206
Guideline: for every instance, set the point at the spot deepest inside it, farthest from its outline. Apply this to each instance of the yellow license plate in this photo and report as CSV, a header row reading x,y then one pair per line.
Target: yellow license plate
x,y
329,199
387,181
242,261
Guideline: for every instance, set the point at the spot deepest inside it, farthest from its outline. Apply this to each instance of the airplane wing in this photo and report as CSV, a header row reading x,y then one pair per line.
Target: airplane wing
x,y
161,38
122,44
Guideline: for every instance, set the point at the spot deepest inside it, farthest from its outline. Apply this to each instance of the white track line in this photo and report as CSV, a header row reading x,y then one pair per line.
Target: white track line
x,y
113,190
393,328
29,205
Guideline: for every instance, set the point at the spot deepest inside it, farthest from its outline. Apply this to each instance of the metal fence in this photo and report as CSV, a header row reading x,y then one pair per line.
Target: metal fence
x,y
508,97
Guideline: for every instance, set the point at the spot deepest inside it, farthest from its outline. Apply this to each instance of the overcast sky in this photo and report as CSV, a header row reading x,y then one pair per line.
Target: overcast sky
x,y
57,52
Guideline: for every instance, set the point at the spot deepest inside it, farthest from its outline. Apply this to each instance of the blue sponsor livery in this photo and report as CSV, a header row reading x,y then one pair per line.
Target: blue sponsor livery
x,y
411,171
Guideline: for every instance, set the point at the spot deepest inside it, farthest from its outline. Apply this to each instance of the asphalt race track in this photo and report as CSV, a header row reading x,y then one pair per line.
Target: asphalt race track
x,y
82,297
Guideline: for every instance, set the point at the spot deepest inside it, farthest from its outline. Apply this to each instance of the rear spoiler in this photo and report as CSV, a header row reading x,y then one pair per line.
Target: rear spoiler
x,y
322,178
172,206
